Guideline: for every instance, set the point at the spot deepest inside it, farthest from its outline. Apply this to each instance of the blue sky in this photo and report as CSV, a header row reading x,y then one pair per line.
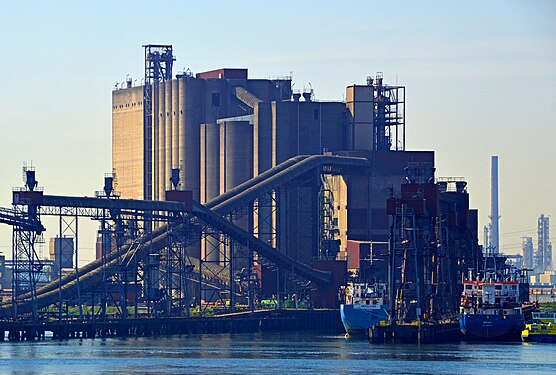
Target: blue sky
x,y
480,78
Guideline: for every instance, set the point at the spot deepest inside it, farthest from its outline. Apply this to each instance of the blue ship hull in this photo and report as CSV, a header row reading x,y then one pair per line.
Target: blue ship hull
x,y
491,327
358,321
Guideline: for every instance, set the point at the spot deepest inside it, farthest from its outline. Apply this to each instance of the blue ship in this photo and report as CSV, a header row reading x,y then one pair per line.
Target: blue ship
x,y
364,307
491,326
492,309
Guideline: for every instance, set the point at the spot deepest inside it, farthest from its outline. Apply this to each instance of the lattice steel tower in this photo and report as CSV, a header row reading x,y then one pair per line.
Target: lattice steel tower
x,y
158,67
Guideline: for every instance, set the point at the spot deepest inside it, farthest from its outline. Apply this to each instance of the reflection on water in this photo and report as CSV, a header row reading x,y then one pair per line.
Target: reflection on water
x,y
272,354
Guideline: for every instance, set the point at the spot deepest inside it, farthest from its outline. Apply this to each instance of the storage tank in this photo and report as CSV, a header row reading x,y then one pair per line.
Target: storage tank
x,y
169,134
154,142
62,253
210,162
236,153
236,166
175,125
262,138
161,171
262,160
210,181
190,104
190,118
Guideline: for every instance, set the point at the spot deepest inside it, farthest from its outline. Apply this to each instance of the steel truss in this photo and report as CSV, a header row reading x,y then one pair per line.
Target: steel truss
x,y
27,233
67,228
422,266
404,268
130,272
27,267
159,60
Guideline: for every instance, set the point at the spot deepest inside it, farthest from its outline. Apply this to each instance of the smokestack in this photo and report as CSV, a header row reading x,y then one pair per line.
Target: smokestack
x,y
494,216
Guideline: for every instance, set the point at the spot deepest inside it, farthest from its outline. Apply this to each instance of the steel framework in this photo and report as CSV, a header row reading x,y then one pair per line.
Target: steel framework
x,y
389,115
27,232
150,272
159,60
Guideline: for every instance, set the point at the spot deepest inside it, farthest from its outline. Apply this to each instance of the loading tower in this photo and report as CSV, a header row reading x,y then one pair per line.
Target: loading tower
x,y
158,68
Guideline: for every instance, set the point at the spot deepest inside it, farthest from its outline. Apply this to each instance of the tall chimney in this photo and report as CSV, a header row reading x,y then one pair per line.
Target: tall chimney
x,y
494,216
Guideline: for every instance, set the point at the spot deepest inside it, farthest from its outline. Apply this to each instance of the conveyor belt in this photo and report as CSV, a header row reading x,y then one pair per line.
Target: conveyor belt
x,y
212,214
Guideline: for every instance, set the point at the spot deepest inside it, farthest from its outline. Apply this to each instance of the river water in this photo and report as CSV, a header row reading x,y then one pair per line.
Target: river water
x,y
276,353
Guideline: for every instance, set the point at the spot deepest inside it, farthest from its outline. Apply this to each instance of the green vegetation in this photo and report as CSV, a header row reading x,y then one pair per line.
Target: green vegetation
x,y
548,306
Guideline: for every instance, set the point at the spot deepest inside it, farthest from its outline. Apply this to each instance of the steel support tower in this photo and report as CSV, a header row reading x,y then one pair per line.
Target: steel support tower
x,y
388,115
158,67
27,266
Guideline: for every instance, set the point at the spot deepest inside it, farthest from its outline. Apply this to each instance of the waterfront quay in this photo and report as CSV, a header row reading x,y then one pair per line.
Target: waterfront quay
x,y
240,322
415,333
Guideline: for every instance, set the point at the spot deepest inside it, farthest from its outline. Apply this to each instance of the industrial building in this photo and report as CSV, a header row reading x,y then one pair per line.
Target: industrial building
x,y
528,252
61,251
234,189
221,128
543,256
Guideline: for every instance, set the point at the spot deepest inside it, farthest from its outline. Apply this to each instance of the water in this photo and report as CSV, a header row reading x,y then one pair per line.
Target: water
x,y
280,353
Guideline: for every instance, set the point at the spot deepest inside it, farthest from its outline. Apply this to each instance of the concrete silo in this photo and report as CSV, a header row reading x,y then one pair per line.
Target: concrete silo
x,y
176,162
236,153
190,118
210,181
169,134
236,166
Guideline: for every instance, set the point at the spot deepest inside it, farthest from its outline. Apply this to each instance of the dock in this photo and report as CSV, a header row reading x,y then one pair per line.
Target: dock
x,y
424,333
241,322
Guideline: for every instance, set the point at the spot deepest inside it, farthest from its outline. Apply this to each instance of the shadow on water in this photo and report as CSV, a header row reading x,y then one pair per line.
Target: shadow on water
x,y
272,353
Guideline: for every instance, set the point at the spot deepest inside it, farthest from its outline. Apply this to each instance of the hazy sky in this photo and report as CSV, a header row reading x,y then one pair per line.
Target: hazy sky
x,y
480,78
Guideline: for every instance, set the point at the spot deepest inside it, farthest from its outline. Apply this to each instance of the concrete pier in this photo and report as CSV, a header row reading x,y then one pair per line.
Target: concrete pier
x,y
415,334
257,321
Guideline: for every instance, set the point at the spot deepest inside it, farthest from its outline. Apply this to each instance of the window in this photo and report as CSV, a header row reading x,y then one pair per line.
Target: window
x,y
215,99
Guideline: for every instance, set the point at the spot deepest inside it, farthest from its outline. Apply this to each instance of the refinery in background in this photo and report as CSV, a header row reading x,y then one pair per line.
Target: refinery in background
x,y
538,263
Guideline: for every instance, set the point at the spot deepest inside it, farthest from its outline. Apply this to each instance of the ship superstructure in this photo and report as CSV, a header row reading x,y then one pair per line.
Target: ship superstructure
x,y
365,305
494,305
